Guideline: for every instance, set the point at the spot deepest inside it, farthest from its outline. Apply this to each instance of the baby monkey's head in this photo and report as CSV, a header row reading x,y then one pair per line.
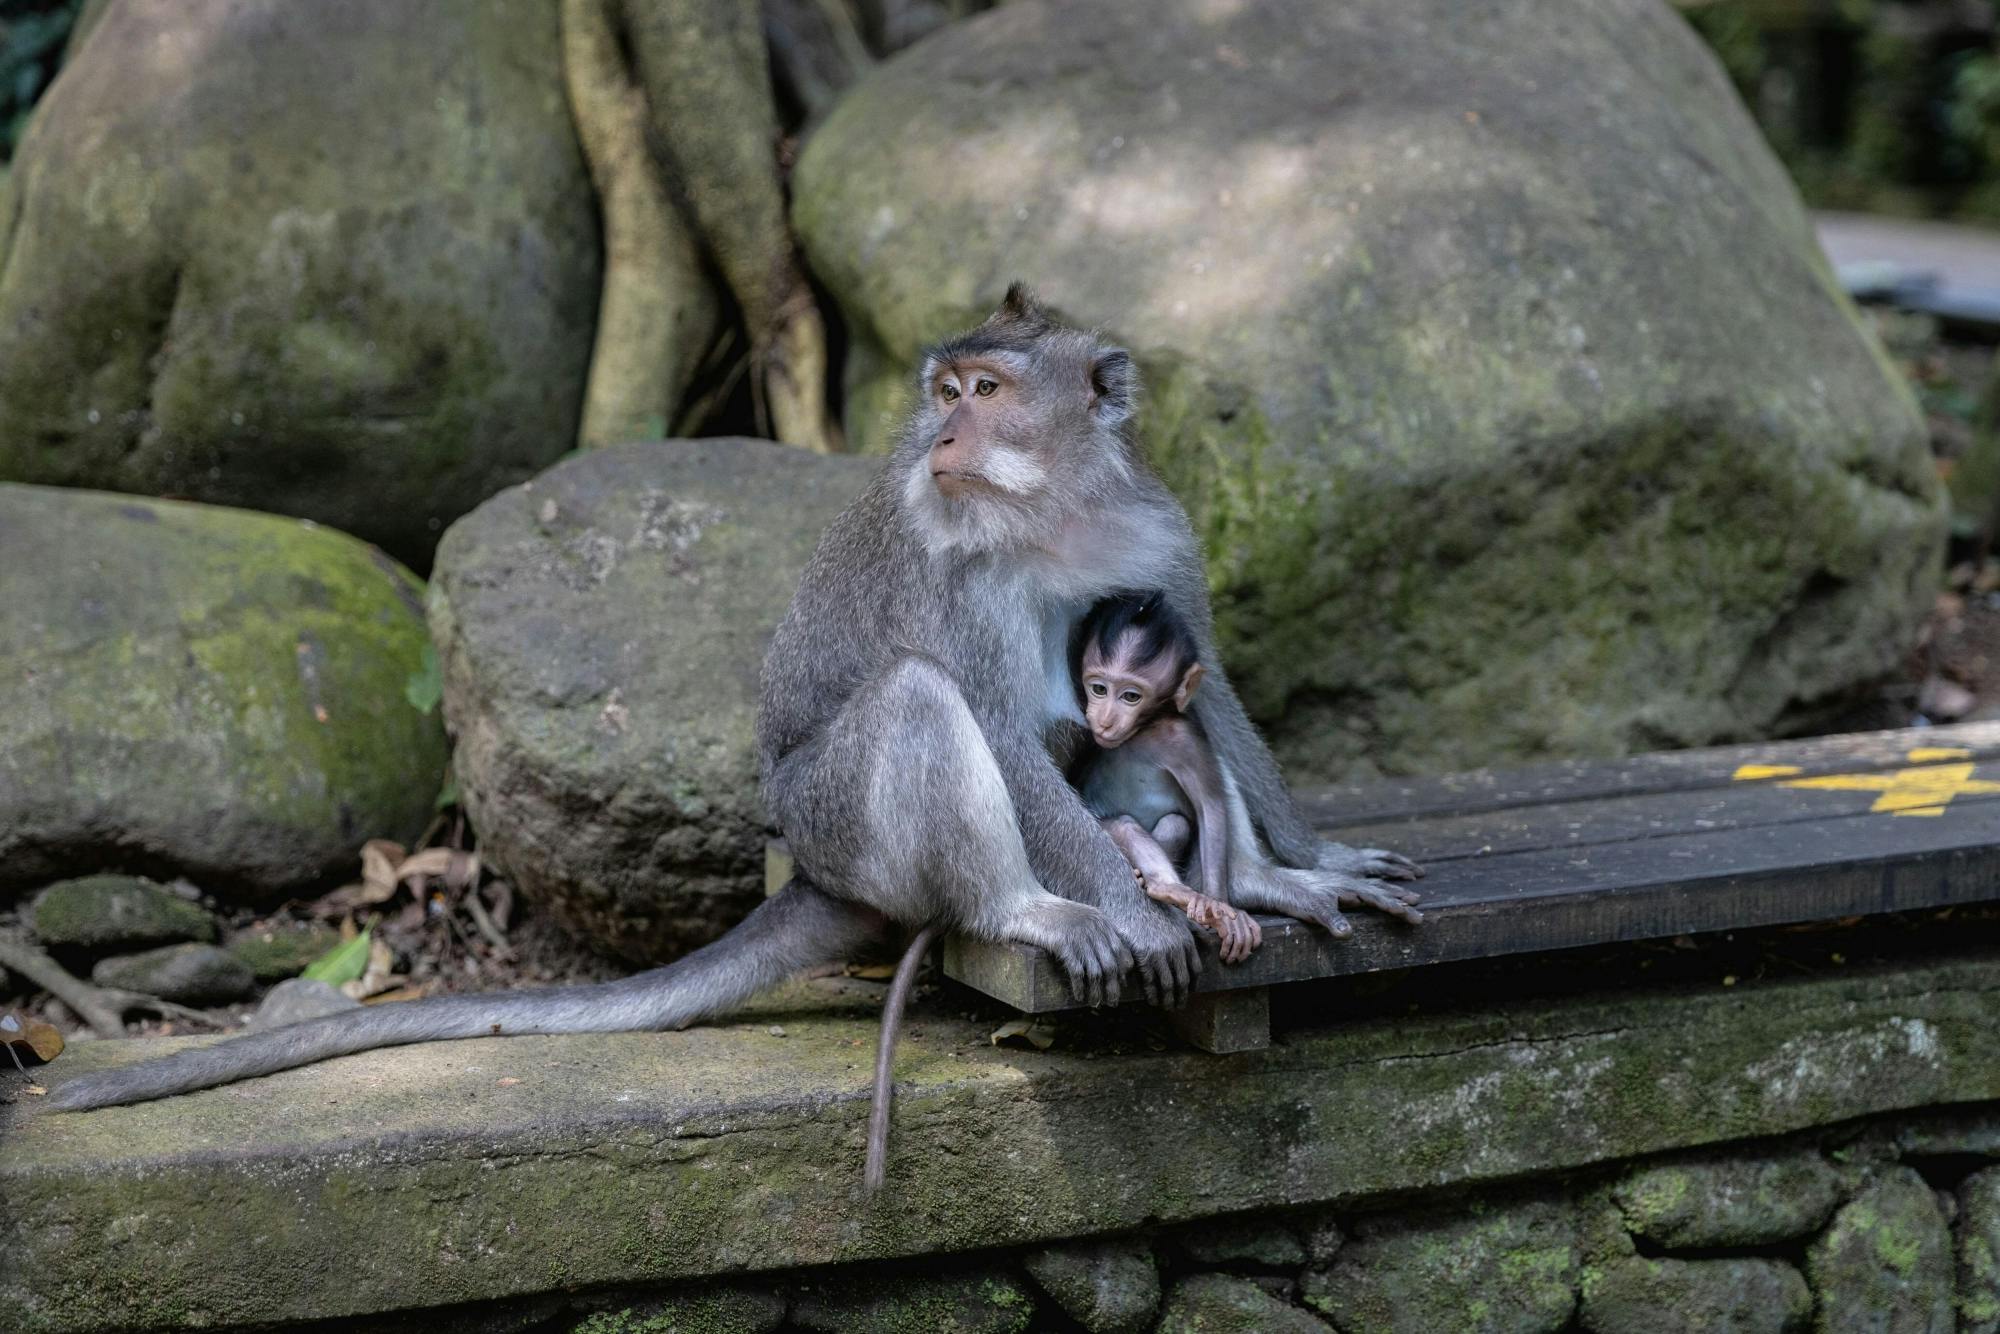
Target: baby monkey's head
x,y
1138,662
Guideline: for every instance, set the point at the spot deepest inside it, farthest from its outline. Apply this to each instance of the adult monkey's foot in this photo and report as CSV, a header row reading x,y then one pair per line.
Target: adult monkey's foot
x,y
1163,948
1378,863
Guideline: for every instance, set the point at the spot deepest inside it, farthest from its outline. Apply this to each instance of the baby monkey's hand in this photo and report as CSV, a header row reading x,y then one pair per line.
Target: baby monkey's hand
x,y
1237,930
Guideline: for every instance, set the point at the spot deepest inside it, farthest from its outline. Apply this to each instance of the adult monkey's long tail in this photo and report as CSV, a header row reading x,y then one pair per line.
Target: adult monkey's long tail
x,y
792,931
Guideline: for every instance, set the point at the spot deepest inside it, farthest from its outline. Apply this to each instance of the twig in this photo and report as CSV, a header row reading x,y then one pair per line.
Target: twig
x,y
103,1008
487,926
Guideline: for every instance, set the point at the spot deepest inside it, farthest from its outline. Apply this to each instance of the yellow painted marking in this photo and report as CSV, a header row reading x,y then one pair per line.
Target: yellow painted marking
x,y
1750,771
1922,791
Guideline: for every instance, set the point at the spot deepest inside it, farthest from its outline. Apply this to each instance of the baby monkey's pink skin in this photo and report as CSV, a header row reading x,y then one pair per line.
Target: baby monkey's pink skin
x,y
1155,770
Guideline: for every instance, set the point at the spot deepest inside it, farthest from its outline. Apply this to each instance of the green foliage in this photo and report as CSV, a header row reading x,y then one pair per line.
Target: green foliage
x,y
343,963
426,684
32,33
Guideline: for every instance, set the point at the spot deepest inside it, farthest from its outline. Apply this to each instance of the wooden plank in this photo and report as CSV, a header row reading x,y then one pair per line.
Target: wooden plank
x,y
1337,808
1225,1021
1560,898
1586,824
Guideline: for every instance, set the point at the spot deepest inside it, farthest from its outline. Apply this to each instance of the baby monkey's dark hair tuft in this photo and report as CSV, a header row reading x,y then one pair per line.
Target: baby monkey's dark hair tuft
x,y
1146,615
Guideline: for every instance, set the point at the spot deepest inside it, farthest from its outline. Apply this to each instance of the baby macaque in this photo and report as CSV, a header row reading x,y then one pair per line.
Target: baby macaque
x,y
1152,779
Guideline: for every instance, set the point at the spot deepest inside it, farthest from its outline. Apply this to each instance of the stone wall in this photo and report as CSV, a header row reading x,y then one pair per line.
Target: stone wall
x,y
1884,1225
1800,1152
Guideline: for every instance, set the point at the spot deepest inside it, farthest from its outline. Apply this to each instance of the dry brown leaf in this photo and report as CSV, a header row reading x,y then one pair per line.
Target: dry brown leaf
x,y
376,978
507,1083
873,972
379,859
30,1037
408,993
35,1091
1038,1033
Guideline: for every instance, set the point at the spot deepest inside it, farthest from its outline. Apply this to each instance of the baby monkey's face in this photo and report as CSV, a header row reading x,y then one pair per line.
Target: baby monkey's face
x,y
1123,692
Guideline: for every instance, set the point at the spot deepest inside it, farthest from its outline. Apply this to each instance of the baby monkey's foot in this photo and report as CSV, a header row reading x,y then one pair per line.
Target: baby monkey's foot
x,y
1237,930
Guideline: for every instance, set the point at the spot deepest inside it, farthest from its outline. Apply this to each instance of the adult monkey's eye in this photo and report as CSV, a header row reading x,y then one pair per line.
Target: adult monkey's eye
x,y
985,387
950,392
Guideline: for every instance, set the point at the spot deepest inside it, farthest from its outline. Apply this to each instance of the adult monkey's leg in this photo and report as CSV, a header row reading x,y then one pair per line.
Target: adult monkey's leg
x,y
900,804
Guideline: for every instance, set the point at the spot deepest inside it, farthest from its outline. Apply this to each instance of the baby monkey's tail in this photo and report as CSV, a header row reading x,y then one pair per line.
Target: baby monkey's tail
x,y
796,929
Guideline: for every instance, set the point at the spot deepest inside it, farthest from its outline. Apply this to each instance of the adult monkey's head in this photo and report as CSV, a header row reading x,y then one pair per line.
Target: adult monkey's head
x,y
1021,425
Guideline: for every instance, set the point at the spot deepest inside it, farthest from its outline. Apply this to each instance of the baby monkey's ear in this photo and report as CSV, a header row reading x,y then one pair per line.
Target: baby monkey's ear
x,y
1190,682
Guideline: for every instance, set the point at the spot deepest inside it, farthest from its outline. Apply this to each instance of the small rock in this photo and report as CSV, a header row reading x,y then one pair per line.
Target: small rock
x,y
1977,1133
100,913
1730,1201
1510,1268
776,1030
1109,1287
987,1302
1884,1262
1219,1304
186,974
1244,1242
1734,1296
297,999
281,948
1979,1253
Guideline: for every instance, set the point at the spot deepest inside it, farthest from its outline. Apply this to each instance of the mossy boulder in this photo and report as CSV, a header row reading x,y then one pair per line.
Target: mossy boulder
x,y
202,691
601,631
1490,349
1492,1269
1666,1296
1885,1262
1730,1202
100,913
338,260
1108,1287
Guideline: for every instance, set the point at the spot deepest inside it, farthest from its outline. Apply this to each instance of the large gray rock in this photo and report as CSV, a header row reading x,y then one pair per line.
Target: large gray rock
x,y
1731,1296
1490,349
601,631
1511,1269
203,691
336,260
1730,1201
1884,1264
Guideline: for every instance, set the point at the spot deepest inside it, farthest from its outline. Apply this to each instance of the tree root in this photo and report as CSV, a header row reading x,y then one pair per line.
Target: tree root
x,y
656,317
103,1008
685,132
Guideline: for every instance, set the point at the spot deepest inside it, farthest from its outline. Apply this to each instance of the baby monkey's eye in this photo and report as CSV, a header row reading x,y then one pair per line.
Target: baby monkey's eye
x,y
985,387
1130,696
1097,689
950,392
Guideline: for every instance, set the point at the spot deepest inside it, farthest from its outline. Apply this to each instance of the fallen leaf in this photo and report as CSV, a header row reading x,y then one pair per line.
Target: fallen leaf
x,y
377,976
342,964
390,997
506,1083
35,1091
1038,1033
874,972
30,1037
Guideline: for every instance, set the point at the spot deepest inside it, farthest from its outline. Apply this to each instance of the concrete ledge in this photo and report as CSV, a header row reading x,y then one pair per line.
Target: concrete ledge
x,y
503,1167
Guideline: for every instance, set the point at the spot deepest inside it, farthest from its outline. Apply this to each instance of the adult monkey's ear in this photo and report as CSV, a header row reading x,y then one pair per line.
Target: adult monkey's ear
x,y
1190,682
1114,386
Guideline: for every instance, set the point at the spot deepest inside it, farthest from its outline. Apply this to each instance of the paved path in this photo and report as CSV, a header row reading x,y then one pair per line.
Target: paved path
x,y
1950,270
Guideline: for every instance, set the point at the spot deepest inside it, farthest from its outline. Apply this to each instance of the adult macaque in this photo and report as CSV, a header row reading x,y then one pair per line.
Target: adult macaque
x,y
1151,778
917,717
